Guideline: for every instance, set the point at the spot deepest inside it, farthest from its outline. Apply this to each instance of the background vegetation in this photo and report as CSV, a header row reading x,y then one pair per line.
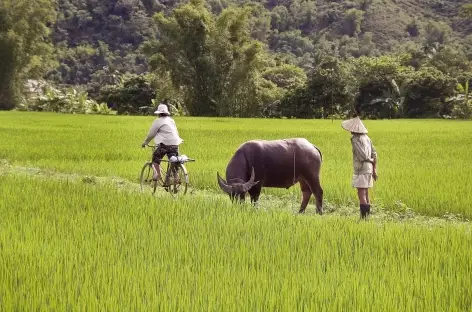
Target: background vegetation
x,y
304,59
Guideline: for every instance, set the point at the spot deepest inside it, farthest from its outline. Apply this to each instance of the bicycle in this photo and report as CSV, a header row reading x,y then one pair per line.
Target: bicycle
x,y
176,175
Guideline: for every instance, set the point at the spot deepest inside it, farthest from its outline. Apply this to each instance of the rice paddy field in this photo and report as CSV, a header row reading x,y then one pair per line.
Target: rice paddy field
x,y
76,232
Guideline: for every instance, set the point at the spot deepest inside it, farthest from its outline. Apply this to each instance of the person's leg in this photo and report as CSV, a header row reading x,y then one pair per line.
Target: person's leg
x,y
364,205
156,162
172,150
362,194
370,183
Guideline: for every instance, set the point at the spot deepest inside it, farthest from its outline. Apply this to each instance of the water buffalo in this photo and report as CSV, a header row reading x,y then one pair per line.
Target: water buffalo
x,y
278,163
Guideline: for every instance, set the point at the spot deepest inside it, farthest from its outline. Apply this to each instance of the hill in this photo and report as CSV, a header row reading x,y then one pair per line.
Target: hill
x,y
105,35
299,58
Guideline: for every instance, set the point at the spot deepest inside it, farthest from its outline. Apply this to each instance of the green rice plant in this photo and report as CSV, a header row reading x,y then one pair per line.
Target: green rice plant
x,y
422,163
68,245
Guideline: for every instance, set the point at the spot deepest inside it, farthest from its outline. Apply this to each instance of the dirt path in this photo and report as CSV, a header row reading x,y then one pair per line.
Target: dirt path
x,y
267,202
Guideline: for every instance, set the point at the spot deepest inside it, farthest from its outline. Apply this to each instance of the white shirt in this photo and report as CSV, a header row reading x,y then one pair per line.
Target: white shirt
x,y
363,151
164,131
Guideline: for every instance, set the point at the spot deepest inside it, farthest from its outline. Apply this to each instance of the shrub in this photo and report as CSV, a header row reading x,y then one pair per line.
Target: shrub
x,y
426,93
69,101
132,96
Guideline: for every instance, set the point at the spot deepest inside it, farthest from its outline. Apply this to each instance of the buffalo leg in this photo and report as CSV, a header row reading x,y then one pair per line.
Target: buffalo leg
x,y
316,189
255,192
318,192
306,193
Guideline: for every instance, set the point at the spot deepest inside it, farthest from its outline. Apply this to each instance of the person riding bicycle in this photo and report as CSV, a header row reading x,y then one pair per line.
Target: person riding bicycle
x,y
166,136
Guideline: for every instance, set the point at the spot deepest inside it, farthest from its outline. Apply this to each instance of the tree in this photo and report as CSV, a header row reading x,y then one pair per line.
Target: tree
x,y
25,48
426,93
437,32
378,92
462,106
113,28
353,19
280,18
286,76
213,59
466,10
291,42
413,28
185,51
303,13
450,60
329,91
132,96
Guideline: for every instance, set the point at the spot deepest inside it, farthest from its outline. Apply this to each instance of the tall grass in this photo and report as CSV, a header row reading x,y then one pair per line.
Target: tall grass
x,y
70,246
422,163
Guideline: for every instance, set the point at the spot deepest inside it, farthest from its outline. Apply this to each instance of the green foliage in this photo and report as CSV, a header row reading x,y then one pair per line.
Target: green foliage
x,y
379,94
184,51
69,101
214,59
132,96
291,42
25,48
161,82
426,94
450,60
378,87
437,32
286,76
353,19
461,102
466,10
329,91
365,5
9,84
90,35
413,28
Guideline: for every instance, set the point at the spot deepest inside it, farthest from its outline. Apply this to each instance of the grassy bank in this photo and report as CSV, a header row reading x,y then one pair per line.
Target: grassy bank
x,y
422,163
69,245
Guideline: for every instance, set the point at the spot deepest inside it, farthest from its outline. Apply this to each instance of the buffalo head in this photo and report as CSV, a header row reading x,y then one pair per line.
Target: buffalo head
x,y
237,189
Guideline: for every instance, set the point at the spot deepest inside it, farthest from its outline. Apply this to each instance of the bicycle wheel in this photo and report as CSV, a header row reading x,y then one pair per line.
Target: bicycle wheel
x,y
146,178
178,180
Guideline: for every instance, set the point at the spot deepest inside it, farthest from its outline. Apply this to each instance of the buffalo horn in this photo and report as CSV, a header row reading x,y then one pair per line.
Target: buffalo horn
x,y
247,186
225,187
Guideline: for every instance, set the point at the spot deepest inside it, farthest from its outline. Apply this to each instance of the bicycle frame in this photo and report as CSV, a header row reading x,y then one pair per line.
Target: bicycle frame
x,y
171,165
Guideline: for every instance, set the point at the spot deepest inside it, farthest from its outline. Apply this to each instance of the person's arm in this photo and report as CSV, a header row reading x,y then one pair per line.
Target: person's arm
x,y
361,152
374,163
152,132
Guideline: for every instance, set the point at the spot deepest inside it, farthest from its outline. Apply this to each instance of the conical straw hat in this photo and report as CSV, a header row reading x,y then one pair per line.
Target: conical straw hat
x,y
354,125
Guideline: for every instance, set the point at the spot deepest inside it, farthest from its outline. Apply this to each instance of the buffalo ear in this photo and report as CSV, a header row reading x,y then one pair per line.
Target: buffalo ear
x,y
223,185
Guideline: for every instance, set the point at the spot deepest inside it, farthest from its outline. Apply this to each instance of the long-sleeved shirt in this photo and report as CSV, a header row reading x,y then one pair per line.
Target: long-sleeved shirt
x,y
164,131
363,152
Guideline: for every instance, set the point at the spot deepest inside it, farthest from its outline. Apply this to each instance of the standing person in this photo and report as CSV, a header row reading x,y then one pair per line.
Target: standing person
x,y
166,136
364,161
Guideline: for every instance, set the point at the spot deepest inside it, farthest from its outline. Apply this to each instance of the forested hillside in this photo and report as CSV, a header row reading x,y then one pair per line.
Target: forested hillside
x,y
96,33
303,58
